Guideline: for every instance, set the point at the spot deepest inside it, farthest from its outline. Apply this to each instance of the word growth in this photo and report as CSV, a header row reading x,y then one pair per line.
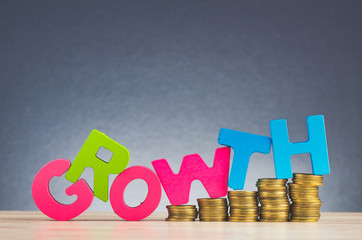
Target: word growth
x,y
215,179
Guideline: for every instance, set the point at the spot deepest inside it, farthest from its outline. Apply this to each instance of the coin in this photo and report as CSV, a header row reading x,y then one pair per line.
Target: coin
x,y
304,194
181,213
213,209
273,198
243,206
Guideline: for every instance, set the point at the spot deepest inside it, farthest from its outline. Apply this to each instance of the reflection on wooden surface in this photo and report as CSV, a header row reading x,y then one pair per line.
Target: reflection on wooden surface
x,y
107,225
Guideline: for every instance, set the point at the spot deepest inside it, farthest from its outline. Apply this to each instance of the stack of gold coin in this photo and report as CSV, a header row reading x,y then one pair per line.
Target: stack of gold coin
x,y
182,213
243,206
213,209
304,195
273,197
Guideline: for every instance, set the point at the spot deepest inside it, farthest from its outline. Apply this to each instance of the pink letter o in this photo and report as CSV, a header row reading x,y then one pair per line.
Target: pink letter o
x,y
147,206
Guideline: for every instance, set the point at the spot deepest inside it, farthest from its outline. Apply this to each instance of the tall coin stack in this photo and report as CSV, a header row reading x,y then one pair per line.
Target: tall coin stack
x,y
243,206
213,209
304,195
272,194
181,213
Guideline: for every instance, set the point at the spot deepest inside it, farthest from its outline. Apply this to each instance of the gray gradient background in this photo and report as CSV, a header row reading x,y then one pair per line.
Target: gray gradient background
x,y
162,78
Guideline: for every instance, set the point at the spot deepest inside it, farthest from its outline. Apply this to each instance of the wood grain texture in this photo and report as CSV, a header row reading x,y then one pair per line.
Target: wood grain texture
x,y
107,225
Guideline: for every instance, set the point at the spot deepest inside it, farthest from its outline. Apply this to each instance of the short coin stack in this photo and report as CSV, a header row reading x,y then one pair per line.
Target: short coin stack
x,y
213,209
304,195
181,213
243,206
272,194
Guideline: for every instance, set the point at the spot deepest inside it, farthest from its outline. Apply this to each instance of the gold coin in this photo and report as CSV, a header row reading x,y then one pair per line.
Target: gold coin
x,y
243,206
308,183
269,213
304,193
242,197
242,193
244,210
180,219
181,206
213,219
209,214
305,206
308,176
181,213
274,194
304,220
297,216
302,186
271,202
254,209
307,200
243,201
231,219
273,220
303,190
211,200
276,209
214,206
304,202
243,214
272,180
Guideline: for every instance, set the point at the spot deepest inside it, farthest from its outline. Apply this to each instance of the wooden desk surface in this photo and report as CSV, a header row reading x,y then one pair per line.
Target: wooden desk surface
x,y
106,225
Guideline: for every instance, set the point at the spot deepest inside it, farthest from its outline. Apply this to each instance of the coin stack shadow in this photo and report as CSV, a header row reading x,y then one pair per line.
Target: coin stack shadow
x,y
181,213
213,209
272,194
243,206
304,195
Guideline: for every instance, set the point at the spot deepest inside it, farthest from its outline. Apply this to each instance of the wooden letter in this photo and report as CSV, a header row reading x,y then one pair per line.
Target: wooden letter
x,y
47,204
214,179
316,146
148,205
87,158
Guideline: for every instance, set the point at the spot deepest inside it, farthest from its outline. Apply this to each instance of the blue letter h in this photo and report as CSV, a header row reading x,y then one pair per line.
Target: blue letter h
x,y
316,146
